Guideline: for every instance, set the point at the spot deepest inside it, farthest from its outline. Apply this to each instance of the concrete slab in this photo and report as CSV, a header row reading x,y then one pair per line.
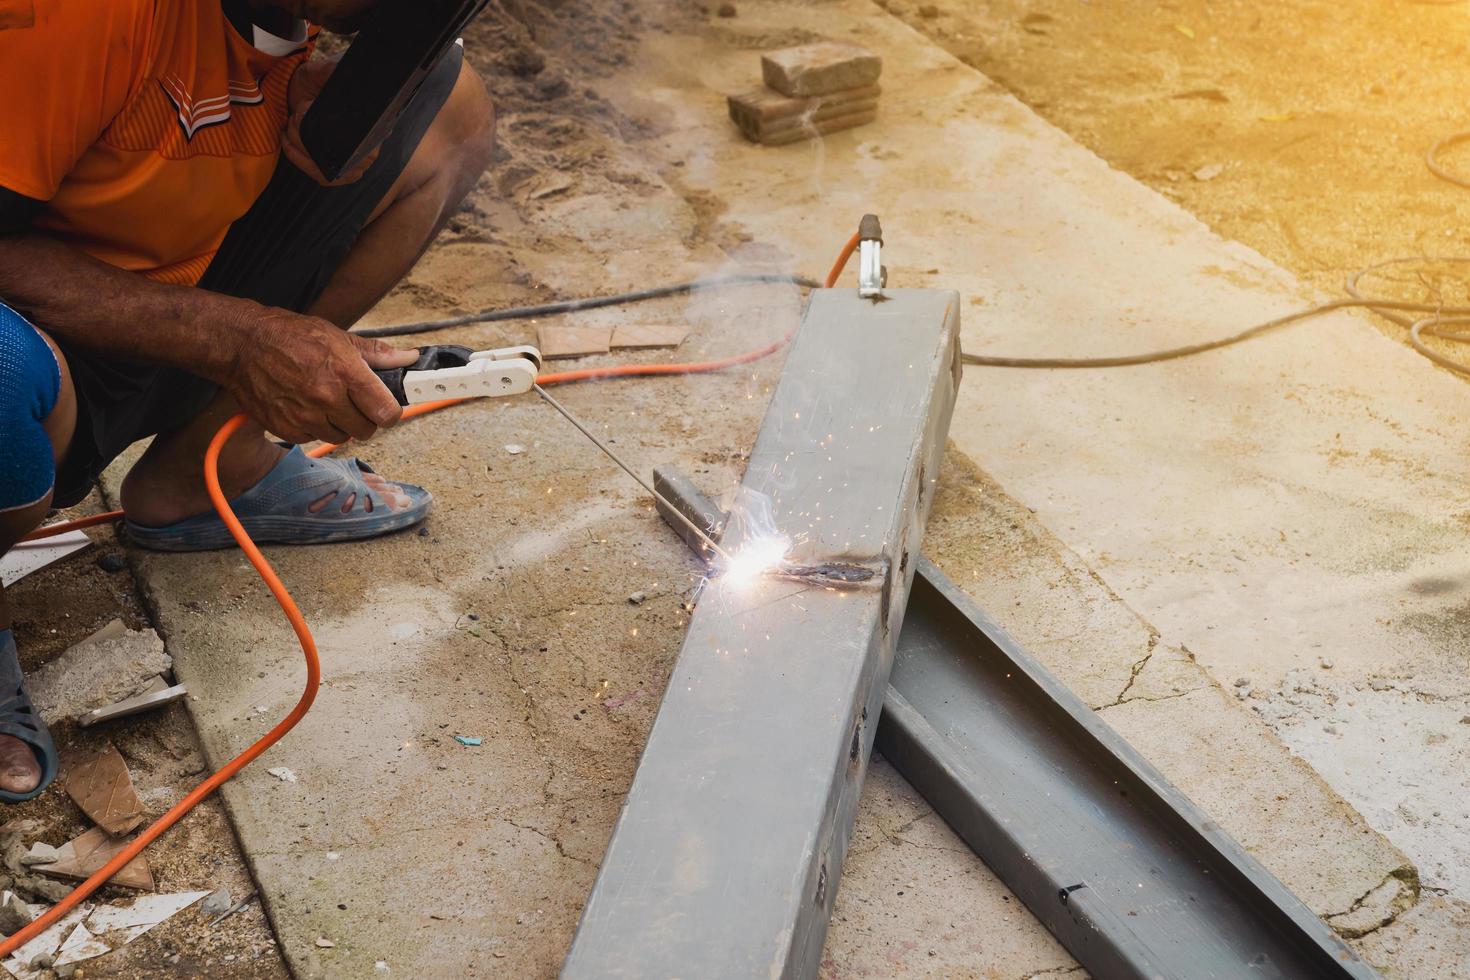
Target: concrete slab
x,y
1294,500
509,620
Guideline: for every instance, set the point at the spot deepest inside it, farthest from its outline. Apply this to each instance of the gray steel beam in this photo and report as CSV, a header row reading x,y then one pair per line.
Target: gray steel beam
x,y
1132,877
726,857
1128,874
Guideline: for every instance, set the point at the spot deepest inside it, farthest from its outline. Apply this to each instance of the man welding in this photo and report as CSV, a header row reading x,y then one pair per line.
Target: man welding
x,y
171,256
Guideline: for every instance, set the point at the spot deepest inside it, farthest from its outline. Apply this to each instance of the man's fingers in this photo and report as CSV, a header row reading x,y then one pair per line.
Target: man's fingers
x,y
352,422
380,355
372,398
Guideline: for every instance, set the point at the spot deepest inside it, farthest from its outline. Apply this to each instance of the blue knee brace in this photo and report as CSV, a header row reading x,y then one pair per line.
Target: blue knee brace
x,y
30,384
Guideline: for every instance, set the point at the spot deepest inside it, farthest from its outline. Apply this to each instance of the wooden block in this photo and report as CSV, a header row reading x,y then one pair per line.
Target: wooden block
x,y
763,106
574,341
101,786
820,68
81,858
649,335
795,134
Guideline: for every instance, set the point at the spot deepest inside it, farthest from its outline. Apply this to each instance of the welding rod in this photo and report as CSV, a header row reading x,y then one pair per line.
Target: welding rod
x,y
629,470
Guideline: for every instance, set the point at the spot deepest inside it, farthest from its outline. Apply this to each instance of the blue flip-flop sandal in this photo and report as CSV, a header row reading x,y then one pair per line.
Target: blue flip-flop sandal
x,y
18,718
277,510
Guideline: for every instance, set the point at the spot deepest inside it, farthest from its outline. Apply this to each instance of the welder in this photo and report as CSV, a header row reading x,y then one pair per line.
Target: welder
x,y
170,255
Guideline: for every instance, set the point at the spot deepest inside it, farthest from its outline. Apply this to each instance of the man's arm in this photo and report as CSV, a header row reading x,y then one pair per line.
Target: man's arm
x,y
301,377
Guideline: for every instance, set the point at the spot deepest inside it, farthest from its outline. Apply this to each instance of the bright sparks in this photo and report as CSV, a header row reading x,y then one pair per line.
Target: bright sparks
x,y
755,558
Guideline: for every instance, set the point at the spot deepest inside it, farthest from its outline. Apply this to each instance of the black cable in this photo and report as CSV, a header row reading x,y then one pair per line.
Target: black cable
x,y
585,303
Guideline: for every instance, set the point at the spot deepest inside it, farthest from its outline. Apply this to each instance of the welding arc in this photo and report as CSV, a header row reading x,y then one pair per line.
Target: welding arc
x,y
678,513
298,622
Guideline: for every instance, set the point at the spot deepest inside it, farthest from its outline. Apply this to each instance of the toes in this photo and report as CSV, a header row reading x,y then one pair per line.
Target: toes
x,y
19,770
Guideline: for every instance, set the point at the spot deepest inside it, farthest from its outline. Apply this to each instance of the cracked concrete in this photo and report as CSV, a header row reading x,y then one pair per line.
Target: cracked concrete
x,y
400,845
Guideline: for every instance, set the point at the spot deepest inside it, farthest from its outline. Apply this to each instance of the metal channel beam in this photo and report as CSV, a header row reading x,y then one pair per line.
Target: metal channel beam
x,y
726,857
1130,876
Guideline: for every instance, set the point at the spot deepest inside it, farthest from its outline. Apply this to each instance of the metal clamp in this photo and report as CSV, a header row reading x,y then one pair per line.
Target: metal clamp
x,y
451,371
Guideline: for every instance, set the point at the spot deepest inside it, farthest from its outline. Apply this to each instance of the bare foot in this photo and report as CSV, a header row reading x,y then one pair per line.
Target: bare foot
x,y
20,772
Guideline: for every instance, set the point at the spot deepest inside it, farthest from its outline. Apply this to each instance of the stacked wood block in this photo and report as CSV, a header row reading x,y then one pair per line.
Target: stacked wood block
x,y
810,90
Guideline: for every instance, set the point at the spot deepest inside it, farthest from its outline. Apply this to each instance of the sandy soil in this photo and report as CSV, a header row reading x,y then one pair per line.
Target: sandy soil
x,y
1299,128
56,608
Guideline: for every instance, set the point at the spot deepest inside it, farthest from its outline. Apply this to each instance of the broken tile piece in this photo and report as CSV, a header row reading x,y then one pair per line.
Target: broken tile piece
x,y
649,335
19,962
80,945
79,859
110,665
562,341
820,68
146,912
155,695
101,785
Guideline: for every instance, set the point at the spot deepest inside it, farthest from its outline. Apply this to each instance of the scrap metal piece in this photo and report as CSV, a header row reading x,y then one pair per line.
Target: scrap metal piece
x,y
1127,873
726,858
1021,769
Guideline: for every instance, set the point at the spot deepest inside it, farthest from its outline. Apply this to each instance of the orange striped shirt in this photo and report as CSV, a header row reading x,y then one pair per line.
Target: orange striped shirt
x,y
148,126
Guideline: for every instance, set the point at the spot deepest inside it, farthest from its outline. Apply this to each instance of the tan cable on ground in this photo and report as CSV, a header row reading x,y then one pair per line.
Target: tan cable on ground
x,y
1440,315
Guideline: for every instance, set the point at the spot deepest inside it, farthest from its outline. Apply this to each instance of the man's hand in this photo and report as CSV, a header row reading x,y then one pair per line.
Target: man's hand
x,y
306,84
305,379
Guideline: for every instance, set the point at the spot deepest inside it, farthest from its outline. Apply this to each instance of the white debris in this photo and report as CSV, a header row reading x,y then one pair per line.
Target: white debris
x,y
324,943
515,449
19,962
146,912
1209,171
283,774
80,945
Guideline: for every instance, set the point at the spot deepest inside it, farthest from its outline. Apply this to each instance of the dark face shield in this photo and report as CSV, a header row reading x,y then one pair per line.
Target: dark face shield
x,y
399,44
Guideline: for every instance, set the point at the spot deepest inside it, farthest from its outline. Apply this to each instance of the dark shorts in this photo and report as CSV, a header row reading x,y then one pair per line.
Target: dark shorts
x,y
282,252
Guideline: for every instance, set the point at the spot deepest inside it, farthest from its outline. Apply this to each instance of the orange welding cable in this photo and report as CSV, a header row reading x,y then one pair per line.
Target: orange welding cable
x,y
293,614
177,811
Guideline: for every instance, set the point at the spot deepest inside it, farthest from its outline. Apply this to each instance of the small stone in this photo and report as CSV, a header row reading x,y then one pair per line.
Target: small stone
x,y
111,562
42,961
1380,685
323,943
1209,172
283,774
217,903
727,10
41,854
333,856
1242,682
515,449
638,598
381,966
68,970
14,916
423,532
1326,664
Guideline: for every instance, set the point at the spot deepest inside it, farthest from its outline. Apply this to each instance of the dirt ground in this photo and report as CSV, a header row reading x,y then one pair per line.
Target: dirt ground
x,y
1299,128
